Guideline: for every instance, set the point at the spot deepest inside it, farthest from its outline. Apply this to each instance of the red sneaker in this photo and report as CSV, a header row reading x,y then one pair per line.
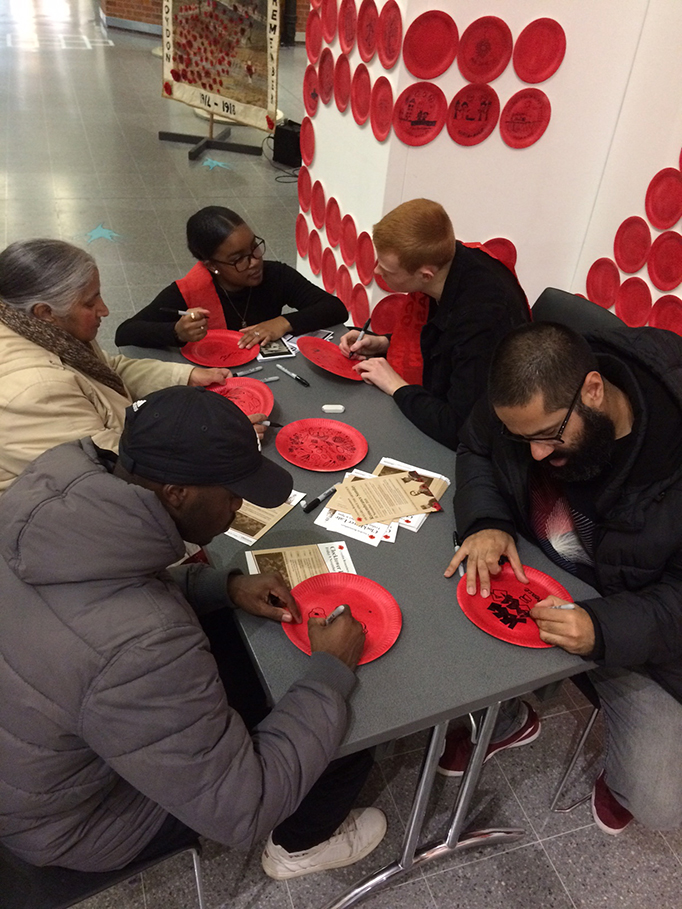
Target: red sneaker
x,y
607,811
458,745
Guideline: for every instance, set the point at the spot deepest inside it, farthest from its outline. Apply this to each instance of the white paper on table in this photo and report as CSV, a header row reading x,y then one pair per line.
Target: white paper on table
x,y
340,522
413,522
248,539
297,563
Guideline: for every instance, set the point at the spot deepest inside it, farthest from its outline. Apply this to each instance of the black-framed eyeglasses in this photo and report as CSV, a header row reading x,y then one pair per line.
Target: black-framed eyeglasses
x,y
555,439
241,263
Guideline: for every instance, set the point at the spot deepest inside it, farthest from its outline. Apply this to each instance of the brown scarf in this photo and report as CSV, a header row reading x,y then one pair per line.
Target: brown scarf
x,y
70,350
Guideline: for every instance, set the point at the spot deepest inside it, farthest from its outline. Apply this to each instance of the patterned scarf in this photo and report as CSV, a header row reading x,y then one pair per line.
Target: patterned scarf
x,y
70,350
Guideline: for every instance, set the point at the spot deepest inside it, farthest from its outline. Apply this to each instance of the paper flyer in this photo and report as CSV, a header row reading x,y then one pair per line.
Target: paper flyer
x,y
251,521
297,563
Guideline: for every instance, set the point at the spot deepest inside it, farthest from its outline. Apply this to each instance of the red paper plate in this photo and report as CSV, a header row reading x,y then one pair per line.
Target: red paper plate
x,y
250,395
386,312
315,252
632,244
420,113
525,117
307,141
664,198
665,260
505,614
360,94
325,76
305,188
365,257
348,21
539,50
318,204
329,270
382,284
316,4
485,49
328,14
430,44
633,302
368,20
667,313
603,281
342,82
369,603
219,348
310,91
301,235
328,356
502,249
359,305
349,239
322,445
381,108
473,114
389,34
344,285
313,36
332,221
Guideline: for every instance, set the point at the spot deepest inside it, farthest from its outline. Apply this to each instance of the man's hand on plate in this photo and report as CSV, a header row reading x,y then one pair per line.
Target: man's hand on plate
x,y
344,638
483,551
370,346
570,629
266,595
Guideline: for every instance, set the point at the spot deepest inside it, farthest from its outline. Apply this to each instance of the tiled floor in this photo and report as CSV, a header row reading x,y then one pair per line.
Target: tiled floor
x,y
79,115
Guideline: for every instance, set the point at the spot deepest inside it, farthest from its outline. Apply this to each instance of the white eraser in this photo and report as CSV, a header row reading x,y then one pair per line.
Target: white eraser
x,y
333,408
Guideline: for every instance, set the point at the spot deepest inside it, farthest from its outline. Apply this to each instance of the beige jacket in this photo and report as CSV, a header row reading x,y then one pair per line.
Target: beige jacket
x,y
44,402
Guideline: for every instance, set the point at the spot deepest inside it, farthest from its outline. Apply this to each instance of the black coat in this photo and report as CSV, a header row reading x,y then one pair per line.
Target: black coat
x,y
638,536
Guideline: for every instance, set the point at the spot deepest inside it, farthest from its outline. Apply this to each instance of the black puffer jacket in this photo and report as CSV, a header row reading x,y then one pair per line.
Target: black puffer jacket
x,y
638,539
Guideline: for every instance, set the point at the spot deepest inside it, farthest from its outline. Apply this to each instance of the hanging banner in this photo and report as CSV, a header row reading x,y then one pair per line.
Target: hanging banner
x,y
222,57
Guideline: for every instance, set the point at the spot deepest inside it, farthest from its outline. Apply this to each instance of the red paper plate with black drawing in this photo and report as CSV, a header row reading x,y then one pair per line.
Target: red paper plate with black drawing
x,y
389,34
332,221
485,49
360,94
359,305
665,260
313,36
502,249
342,82
250,395
430,44
419,114
525,118
307,141
365,257
386,312
370,603
505,614
349,239
602,283
315,252
328,14
348,21
305,188
329,270
633,302
368,20
667,313
344,285
321,445
663,201
318,204
381,108
302,232
473,114
220,347
325,76
632,244
328,356
311,94
539,50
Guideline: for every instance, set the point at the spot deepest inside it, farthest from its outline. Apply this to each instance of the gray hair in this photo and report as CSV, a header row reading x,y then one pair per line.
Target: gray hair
x,y
44,271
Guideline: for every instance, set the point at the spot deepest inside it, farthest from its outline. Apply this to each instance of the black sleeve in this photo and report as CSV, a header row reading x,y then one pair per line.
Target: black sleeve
x,y
152,327
315,308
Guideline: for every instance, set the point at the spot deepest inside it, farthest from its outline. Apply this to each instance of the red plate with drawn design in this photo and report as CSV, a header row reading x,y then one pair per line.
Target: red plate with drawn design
x,y
368,20
342,82
365,257
667,313
663,202
315,252
328,15
305,188
318,204
603,281
539,50
505,614
313,36
473,114
220,347
485,49
381,108
420,113
307,141
311,95
525,118
250,395
321,445
633,302
302,232
665,260
389,34
632,244
328,356
348,22
369,602
329,270
349,239
332,221
430,44
360,94
325,76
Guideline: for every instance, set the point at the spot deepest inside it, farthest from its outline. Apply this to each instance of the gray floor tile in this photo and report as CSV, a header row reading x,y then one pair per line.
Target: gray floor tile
x,y
128,895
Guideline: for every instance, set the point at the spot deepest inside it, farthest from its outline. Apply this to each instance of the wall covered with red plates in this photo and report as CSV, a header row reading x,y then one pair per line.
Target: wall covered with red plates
x,y
516,120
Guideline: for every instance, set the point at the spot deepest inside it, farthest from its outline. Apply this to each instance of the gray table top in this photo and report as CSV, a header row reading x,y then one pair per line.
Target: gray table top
x,y
441,666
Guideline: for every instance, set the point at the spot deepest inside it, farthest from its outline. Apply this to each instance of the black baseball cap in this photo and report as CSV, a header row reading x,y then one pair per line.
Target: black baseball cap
x,y
195,437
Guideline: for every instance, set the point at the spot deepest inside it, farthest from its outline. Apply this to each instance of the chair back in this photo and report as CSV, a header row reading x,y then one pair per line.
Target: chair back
x,y
575,312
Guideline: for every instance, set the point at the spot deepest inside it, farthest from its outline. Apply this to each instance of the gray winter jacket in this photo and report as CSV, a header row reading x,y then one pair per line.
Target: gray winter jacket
x,y
112,712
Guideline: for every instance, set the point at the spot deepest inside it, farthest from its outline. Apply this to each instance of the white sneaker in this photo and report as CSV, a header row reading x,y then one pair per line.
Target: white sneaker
x,y
360,833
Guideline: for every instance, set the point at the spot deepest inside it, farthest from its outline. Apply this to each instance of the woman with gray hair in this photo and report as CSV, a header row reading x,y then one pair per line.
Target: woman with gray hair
x,y
56,384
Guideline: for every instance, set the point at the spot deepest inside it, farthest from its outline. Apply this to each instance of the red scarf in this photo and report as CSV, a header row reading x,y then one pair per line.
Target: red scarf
x,y
197,289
